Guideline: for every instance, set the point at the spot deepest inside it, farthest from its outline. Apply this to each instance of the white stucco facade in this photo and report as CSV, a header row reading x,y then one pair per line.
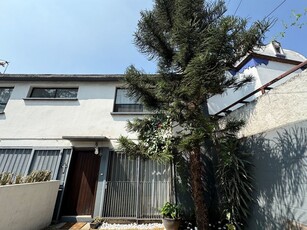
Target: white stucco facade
x,y
43,122
56,134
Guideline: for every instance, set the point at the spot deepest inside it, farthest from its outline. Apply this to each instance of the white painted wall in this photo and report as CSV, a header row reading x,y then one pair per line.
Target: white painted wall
x,y
280,172
219,102
26,122
27,206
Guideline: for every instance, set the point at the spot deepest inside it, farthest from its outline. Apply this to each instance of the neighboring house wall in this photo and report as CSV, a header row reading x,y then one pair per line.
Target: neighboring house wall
x,y
276,124
281,106
262,73
264,64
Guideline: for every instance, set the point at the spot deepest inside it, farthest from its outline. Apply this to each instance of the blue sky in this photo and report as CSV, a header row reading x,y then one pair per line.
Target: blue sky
x,y
95,36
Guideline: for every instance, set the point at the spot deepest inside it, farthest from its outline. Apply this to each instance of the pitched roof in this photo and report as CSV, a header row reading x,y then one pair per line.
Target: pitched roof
x,y
268,52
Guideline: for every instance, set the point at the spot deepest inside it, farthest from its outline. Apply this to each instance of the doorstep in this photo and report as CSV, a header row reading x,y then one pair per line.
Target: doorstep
x,y
80,218
70,226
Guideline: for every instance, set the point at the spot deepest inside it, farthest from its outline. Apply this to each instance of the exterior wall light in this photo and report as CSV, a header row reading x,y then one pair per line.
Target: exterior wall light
x,y
96,149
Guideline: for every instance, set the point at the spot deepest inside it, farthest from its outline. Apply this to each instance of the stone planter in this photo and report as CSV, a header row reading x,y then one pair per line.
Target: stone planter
x,y
27,206
171,224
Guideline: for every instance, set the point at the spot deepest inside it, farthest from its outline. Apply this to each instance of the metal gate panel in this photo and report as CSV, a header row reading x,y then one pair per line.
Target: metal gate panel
x,y
124,169
14,160
153,197
22,161
136,188
46,160
62,176
120,199
63,167
154,188
121,190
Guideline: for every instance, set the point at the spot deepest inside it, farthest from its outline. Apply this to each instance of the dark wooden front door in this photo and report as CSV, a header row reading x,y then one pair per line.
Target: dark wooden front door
x,y
80,191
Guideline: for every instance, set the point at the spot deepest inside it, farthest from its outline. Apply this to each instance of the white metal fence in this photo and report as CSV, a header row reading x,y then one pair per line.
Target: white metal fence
x,y
136,188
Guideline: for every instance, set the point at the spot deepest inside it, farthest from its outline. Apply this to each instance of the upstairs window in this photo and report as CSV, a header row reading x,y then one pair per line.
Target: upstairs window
x,y
277,48
123,103
5,94
54,93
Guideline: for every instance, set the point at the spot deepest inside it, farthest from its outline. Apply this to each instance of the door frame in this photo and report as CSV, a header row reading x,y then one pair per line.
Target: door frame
x,y
102,181
97,184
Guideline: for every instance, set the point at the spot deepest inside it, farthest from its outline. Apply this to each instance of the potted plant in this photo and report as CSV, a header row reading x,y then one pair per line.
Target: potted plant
x,y
96,222
171,216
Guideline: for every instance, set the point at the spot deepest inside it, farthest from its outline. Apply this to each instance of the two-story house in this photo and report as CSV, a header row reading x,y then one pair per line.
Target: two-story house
x,y
70,124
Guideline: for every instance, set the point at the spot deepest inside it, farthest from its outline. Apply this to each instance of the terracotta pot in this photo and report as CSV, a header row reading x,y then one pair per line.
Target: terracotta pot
x,y
171,224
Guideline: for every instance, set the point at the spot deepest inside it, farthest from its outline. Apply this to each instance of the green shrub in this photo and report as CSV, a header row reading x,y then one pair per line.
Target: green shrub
x,y
98,219
18,179
38,176
170,210
6,178
35,176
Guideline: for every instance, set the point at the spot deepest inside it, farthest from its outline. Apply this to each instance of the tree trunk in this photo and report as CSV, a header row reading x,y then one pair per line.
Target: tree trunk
x,y
201,211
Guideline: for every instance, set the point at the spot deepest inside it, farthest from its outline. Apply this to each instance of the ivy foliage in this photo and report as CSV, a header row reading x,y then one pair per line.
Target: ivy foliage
x,y
298,20
155,138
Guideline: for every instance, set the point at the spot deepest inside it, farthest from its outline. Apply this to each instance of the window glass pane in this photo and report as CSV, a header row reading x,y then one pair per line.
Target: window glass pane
x,y
43,93
54,93
66,93
128,108
122,98
5,94
2,106
123,103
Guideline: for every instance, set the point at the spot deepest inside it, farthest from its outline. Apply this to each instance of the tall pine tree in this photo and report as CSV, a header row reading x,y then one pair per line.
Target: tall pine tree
x,y
195,44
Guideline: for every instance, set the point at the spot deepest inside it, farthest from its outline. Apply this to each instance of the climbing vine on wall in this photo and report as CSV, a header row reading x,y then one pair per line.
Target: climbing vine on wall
x,y
155,138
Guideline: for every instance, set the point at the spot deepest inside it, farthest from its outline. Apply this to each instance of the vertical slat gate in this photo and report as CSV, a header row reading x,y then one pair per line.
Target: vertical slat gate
x,y
46,160
21,161
136,188
121,187
14,160
155,188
